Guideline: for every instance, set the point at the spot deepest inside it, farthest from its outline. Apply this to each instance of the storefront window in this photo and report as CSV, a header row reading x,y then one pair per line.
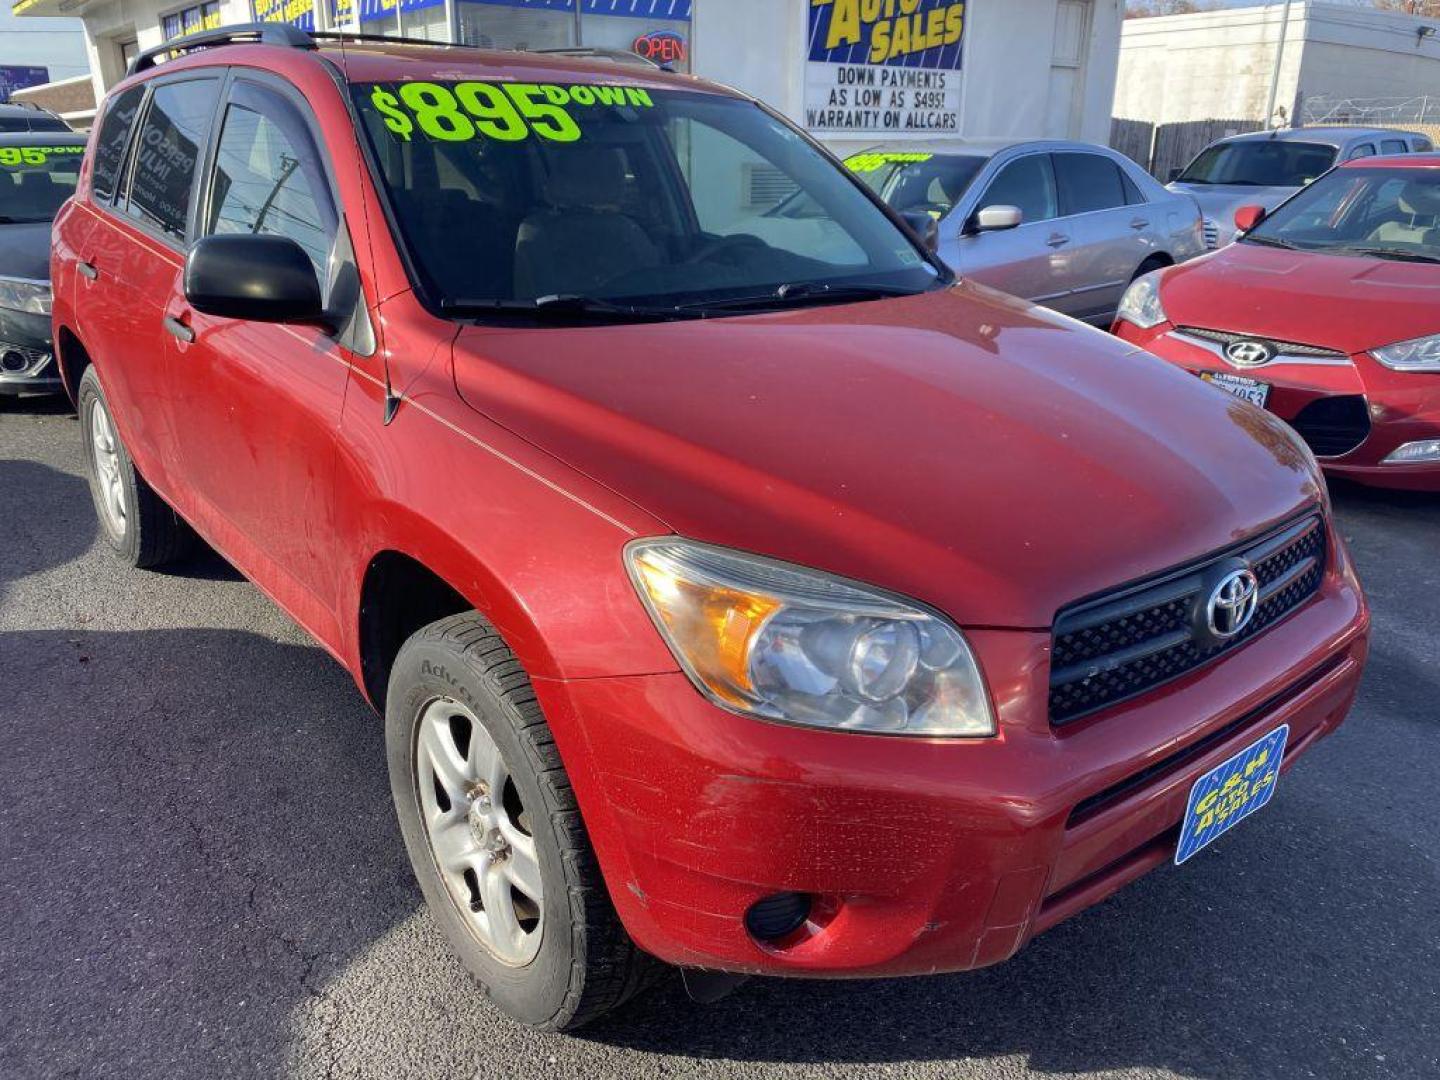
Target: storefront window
x,y
189,20
299,13
517,24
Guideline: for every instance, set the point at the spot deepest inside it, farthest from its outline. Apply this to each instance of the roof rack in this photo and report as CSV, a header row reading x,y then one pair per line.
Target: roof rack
x,y
292,37
591,52
261,33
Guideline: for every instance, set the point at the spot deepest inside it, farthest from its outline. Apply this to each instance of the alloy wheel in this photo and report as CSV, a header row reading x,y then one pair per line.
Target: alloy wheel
x,y
479,831
108,472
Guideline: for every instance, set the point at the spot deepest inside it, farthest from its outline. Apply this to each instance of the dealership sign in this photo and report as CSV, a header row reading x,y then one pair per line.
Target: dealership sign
x,y
884,67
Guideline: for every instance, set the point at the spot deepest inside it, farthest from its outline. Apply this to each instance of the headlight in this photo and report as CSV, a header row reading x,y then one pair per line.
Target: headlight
x,y
1422,354
1141,303
23,294
773,640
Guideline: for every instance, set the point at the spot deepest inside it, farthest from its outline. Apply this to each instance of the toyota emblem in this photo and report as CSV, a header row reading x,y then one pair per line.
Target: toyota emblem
x,y
1232,604
1249,353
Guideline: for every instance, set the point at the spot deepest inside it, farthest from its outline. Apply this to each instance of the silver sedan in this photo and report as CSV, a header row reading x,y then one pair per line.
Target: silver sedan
x,y
1065,224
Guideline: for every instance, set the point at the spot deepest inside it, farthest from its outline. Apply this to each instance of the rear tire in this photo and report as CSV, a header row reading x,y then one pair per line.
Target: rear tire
x,y
482,812
137,524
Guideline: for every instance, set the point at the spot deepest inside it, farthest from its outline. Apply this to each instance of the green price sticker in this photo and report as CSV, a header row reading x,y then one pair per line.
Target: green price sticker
x,y
862,163
506,112
15,156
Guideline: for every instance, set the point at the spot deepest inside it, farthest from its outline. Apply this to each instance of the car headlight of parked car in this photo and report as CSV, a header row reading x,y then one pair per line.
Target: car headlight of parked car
x,y
24,294
778,641
1141,303
1421,354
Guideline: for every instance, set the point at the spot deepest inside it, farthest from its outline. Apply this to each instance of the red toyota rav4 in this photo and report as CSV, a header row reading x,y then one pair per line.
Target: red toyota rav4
x,y
740,591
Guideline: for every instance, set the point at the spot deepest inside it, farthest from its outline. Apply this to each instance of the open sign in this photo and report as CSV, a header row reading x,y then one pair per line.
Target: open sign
x,y
661,46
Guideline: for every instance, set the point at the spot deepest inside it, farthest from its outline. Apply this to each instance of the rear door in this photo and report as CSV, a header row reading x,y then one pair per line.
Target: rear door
x,y
1109,237
133,256
255,406
1028,261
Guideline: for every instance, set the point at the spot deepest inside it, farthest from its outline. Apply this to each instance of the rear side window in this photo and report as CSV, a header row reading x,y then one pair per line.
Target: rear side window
x,y
1088,182
1028,183
111,142
172,136
268,176
1423,146
1394,146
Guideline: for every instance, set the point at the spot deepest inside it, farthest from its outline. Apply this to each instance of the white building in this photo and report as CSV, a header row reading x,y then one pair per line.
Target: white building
x,y
853,71
1219,65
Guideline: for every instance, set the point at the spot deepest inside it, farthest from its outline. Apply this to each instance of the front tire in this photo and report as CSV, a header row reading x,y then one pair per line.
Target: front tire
x,y
495,835
139,526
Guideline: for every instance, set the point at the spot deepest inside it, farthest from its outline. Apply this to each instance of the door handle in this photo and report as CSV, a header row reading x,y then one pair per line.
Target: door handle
x,y
1139,223
87,270
178,329
1057,240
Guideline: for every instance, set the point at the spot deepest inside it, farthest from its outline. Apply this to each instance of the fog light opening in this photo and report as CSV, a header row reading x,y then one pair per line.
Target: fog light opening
x,y
777,917
13,362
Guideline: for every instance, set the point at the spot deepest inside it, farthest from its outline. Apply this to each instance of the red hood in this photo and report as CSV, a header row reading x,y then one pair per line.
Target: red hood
x,y
1333,301
989,458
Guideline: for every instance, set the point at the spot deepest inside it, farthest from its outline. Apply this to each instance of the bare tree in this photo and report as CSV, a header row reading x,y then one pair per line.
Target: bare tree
x,y
1144,9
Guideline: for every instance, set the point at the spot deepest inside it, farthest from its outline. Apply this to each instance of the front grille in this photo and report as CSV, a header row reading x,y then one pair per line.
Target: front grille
x,y
1212,234
1287,348
1333,426
1127,642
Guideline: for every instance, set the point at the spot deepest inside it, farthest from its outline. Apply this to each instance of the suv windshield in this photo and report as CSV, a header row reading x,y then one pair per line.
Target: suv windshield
x,y
1260,164
932,183
35,180
1376,213
507,194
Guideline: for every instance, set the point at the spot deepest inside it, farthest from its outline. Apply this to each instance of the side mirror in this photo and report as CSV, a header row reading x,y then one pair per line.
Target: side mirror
x,y
1174,175
996,219
925,225
260,278
1247,217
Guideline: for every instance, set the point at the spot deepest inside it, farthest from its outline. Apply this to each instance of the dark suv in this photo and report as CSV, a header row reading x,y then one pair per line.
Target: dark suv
x,y
741,592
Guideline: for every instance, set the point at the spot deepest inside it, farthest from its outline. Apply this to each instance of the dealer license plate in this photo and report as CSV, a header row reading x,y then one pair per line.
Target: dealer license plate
x,y
1251,390
1231,792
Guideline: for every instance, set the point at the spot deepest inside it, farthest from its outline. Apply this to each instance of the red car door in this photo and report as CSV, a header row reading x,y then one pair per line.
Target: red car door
x,y
131,257
256,406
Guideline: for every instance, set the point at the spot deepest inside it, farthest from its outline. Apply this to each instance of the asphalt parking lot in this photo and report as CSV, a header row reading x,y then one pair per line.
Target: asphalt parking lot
x,y
200,874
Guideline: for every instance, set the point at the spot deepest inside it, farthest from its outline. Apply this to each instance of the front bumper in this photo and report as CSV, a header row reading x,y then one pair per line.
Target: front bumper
x,y
1402,407
922,855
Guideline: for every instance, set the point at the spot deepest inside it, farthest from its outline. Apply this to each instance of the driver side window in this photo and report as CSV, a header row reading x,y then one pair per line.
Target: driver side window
x,y
268,177
1029,183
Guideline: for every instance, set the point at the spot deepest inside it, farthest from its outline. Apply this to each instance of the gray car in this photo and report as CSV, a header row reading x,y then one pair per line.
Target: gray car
x,y
1065,224
38,172
1265,168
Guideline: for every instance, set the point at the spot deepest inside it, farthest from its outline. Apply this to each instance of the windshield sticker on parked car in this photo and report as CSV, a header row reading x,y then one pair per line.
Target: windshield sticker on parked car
x,y
12,157
870,162
507,112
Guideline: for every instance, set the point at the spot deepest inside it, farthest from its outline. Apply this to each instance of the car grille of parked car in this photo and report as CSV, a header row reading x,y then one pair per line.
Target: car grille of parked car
x,y
1333,426
20,359
1284,348
1212,234
1112,647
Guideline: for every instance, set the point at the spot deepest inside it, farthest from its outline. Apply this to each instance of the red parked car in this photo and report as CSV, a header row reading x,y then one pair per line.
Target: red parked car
x,y
1326,313
746,595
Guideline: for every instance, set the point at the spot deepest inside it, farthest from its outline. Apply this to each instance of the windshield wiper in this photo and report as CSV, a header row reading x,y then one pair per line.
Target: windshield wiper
x,y
806,292
1385,253
562,305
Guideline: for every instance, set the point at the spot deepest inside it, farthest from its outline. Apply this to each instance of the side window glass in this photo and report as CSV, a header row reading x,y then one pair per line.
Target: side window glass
x,y
1133,194
172,136
1362,151
1088,182
269,179
1394,146
1424,146
111,142
1028,183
